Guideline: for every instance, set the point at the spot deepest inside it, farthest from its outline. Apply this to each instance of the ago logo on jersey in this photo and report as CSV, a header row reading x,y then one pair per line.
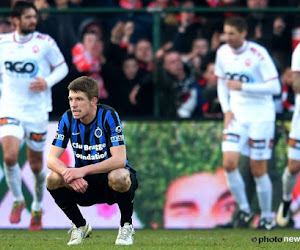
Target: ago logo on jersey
x,y
27,68
244,77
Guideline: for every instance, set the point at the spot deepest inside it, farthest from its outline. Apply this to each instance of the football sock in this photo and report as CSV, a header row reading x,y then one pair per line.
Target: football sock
x,y
39,186
288,182
237,188
264,193
64,199
13,177
125,202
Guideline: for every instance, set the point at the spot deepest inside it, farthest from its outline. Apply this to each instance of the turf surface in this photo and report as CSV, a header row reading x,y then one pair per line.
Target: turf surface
x,y
155,239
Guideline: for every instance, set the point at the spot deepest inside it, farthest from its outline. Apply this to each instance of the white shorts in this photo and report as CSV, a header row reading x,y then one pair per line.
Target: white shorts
x,y
254,140
294,137
33,133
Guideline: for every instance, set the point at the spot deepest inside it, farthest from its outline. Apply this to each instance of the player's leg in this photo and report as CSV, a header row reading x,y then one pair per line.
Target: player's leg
x,y
261,143
233,139
124,183
64,197
35,160
35,137
12,133
264,192
289,179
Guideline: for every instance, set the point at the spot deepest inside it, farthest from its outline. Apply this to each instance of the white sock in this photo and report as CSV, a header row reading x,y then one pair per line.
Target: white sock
x,y
264,193
13,177
39,187
237,188
288,182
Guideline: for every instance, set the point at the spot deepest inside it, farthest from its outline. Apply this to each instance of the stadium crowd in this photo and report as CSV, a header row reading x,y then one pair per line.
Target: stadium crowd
x,y
117,50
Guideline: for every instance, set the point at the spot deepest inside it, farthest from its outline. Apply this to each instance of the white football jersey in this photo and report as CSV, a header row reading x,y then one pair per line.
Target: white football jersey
x,y
253,66
20,62
296,68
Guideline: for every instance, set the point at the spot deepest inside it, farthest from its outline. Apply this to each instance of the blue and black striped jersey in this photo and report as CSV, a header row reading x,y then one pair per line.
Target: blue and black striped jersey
x,y
91,143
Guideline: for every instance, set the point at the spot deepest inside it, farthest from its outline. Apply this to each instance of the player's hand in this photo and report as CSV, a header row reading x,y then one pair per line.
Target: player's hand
x,y
234,85
39,84
228,117
70,174
79,185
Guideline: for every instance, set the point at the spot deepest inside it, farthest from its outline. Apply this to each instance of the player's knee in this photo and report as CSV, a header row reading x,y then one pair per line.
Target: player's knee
x,y
229,166
54,181
257,173
294,166
10,159
119,180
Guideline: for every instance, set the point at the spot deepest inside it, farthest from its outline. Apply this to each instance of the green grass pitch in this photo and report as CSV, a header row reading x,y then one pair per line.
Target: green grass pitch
x,y
156,239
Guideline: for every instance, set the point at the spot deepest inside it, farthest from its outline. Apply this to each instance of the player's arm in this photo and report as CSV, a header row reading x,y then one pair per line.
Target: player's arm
x,y
271,87
223,95
58,73
57,62
53,162
296,82
117,160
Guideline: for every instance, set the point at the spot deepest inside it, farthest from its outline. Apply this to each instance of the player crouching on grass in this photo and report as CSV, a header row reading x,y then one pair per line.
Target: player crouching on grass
x,y
102,173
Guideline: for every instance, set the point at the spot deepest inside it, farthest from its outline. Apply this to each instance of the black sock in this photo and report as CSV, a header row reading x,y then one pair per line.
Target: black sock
x,y
65,201
125,203
286,207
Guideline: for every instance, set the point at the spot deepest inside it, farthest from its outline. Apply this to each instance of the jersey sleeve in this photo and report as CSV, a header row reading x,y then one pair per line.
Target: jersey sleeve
x,y
267,67
296,59
219,71
62,135
113,127
55,57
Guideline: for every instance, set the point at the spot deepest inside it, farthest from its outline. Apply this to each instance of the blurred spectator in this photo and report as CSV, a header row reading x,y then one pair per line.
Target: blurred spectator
x,y
91,24
144,92
178,88
211,107
130,87
142,21
194,59
126,83
119,45
270,30
162,3
42,4
144,54
61,28
189,28
288,96
88,58
168,25
6,25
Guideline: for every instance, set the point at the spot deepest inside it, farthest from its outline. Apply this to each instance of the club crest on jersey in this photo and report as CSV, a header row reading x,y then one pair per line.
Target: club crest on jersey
x,y
98,132
248,62
35,49
118,129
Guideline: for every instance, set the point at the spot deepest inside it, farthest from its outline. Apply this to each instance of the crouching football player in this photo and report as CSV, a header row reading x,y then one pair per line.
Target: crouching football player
x,y
102,173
